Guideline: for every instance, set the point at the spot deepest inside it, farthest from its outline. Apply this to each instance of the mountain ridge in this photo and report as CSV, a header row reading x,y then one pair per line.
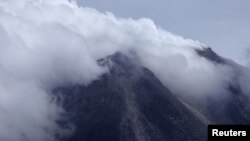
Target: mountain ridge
x,y
129,103
134,100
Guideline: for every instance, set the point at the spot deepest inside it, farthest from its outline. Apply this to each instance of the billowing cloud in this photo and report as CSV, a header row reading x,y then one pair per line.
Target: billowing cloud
x,y
45,44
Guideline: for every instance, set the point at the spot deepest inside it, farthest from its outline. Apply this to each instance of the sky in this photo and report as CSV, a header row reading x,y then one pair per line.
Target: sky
x,y
220,24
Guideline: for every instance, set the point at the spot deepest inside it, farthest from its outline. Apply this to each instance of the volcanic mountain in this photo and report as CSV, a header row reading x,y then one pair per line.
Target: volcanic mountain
x,y
129,103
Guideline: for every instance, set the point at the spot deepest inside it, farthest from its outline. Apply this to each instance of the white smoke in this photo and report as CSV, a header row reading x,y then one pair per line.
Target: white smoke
x,y
48,43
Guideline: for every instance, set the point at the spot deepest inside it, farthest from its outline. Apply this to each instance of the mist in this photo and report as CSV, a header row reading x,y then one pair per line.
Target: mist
x,y
46,44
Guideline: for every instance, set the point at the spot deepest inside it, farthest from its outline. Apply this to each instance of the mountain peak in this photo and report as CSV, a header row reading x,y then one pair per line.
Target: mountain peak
x,y
209,54
121,64
128,104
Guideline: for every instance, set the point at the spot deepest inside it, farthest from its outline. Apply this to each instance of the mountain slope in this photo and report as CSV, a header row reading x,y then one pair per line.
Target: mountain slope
x,y
233,109
130,104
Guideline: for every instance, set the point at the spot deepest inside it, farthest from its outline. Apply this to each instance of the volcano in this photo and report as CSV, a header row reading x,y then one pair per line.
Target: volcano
x,y
129,103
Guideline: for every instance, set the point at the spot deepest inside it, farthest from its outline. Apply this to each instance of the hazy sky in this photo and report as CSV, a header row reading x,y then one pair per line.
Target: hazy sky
x,y
222,24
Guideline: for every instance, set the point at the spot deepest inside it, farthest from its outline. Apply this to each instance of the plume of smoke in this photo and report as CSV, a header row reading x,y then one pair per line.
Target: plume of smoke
x,y
45,44
38,53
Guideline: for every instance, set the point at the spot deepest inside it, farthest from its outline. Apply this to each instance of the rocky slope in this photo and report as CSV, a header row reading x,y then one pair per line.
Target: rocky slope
x,y
130,104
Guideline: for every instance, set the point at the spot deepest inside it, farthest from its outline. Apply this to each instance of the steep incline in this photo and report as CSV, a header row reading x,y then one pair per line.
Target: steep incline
x,y
128,104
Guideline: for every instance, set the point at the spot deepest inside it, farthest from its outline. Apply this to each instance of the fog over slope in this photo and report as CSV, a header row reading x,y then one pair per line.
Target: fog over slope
x,y
46,44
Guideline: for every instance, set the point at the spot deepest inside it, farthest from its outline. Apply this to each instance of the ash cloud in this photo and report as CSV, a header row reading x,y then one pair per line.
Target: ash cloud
x,y
45,44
